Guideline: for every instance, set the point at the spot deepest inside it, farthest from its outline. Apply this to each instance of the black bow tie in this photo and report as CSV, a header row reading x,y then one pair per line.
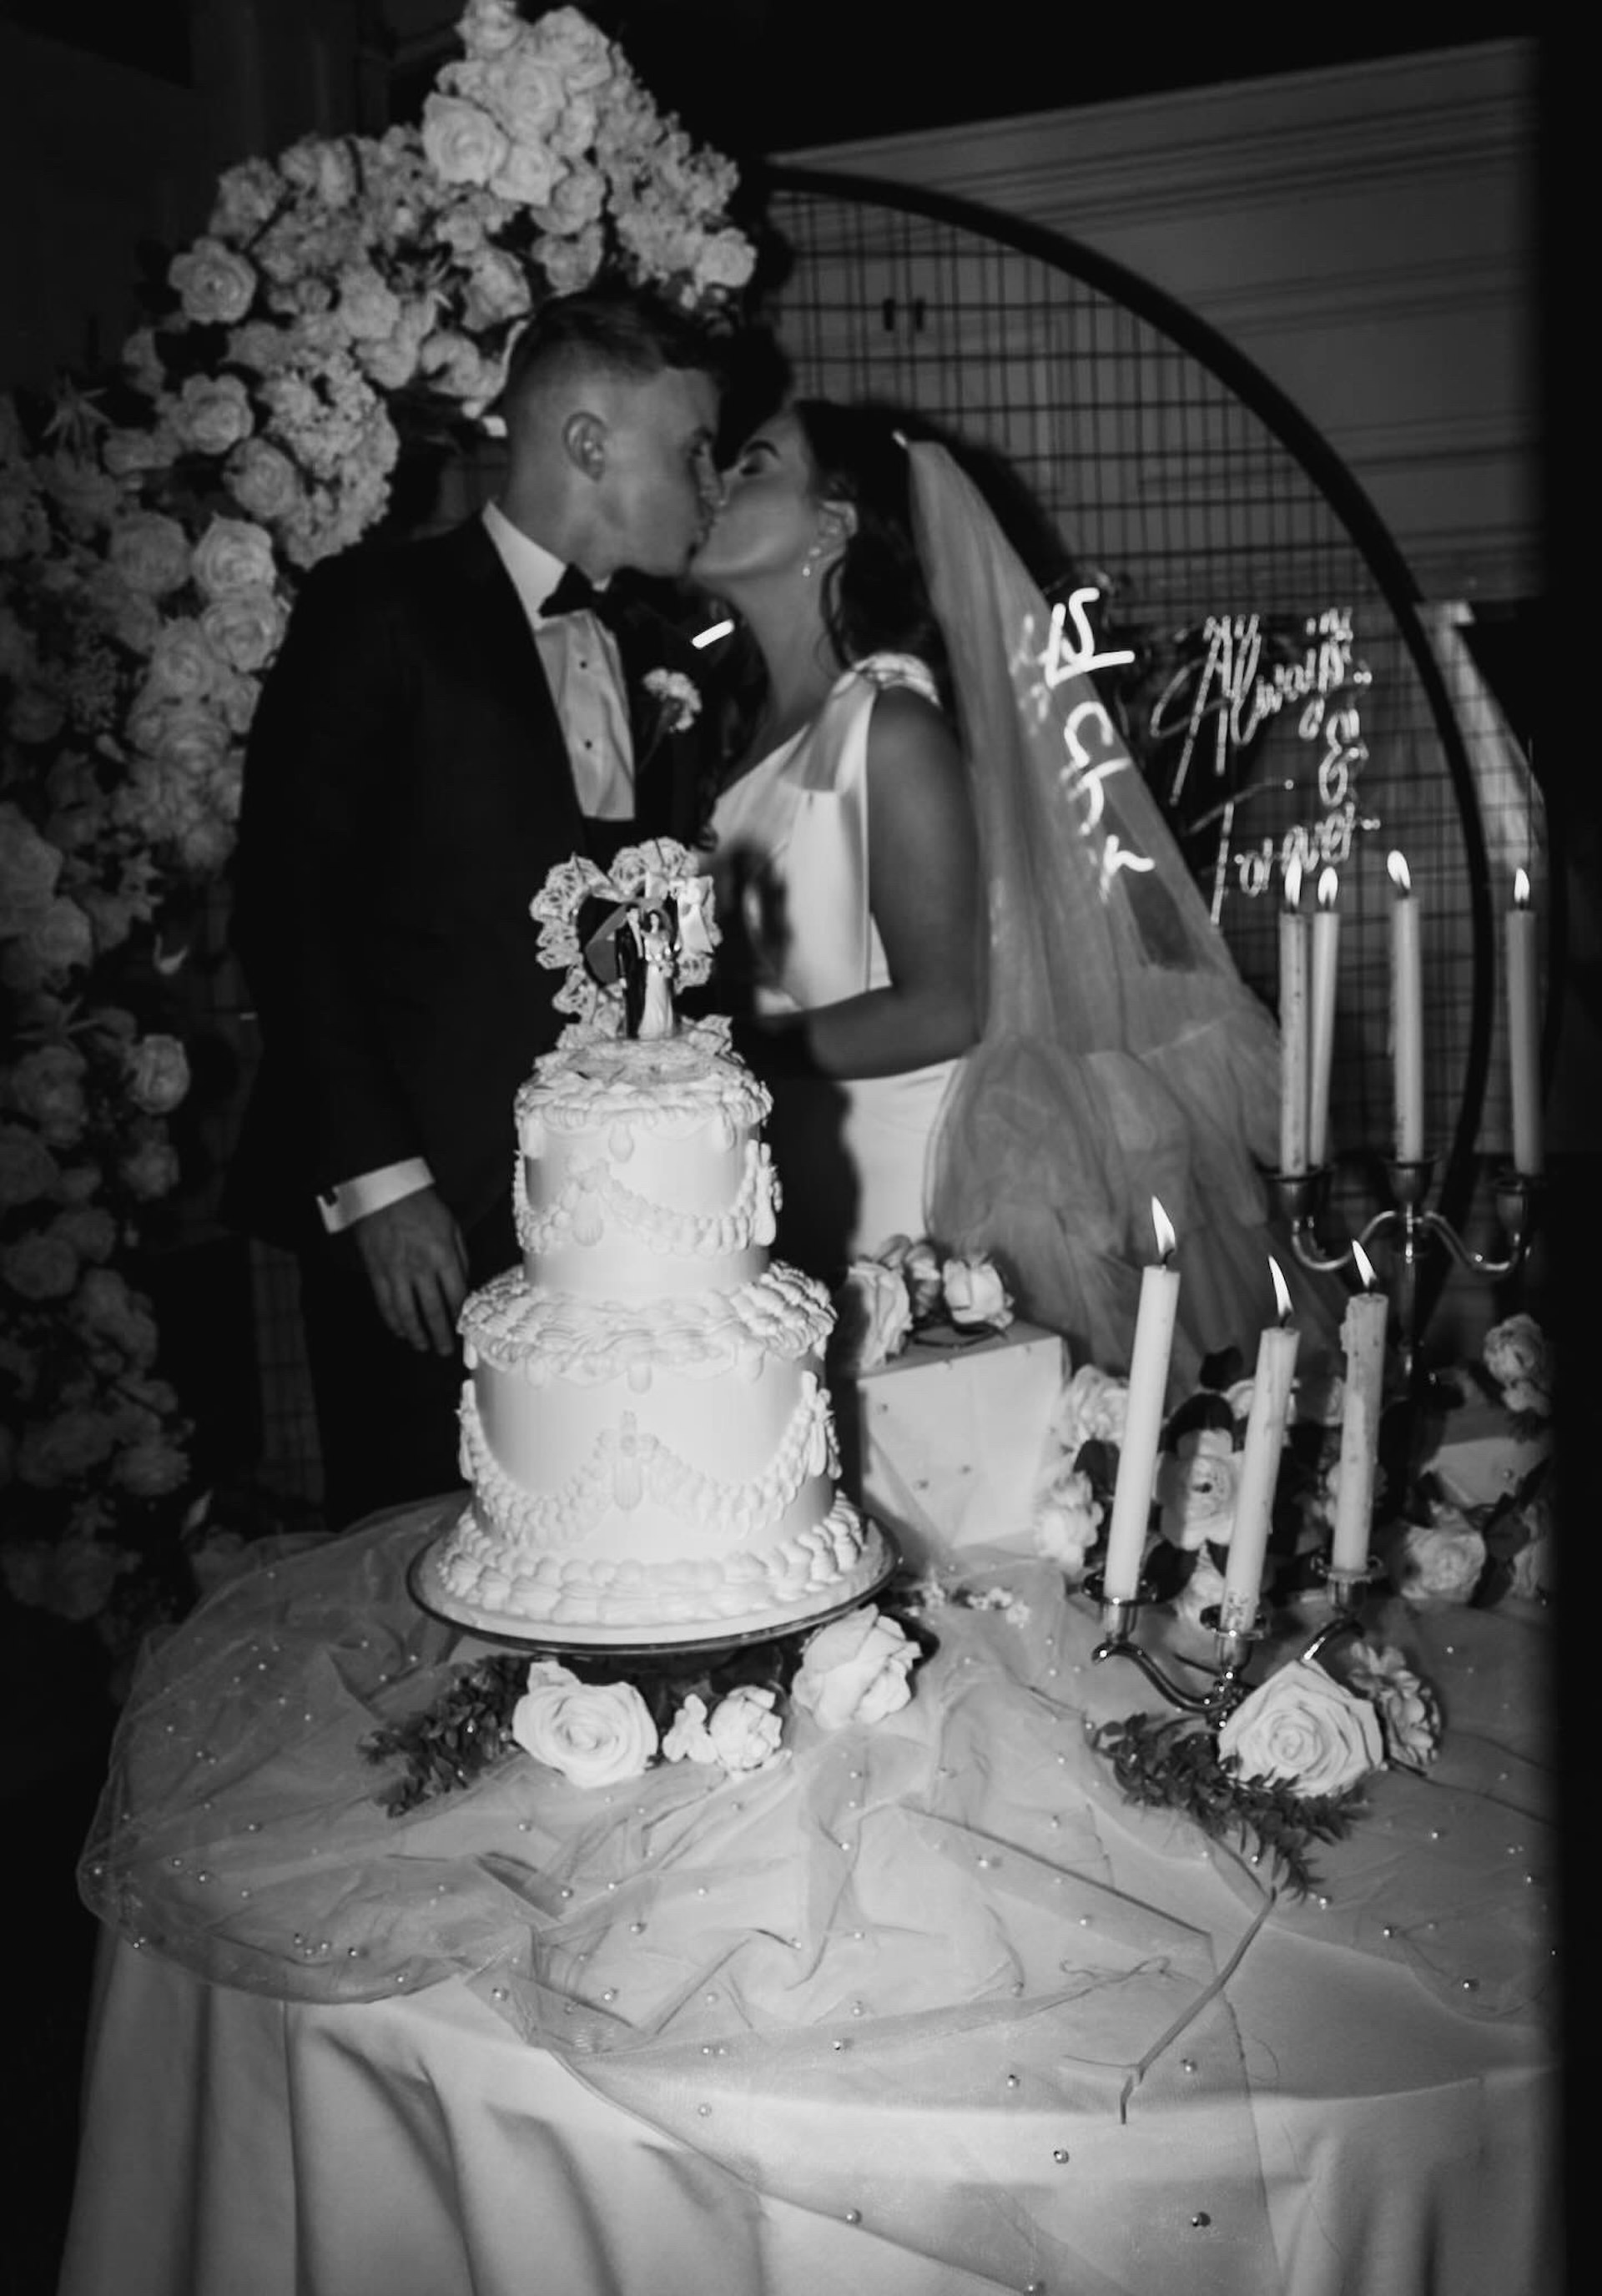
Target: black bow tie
x,y
576,593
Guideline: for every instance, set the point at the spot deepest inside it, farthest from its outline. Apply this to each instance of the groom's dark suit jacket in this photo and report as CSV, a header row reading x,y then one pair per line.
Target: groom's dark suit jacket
x,y
406,789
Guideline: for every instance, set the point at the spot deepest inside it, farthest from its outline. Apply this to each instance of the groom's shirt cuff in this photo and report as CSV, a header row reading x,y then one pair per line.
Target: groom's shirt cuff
x,y
370,1191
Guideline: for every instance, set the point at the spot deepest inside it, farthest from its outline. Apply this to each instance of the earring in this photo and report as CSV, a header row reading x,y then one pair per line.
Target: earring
x,y
810,561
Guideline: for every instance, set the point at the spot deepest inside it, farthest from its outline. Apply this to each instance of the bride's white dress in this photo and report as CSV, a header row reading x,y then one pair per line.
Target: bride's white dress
x,y
853,1159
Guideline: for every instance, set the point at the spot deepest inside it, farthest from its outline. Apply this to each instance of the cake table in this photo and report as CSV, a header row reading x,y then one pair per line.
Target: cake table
x,y
926,2007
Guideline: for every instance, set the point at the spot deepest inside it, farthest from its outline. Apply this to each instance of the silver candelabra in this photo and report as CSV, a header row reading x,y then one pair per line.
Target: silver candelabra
x,y
1407,1225
1224,1685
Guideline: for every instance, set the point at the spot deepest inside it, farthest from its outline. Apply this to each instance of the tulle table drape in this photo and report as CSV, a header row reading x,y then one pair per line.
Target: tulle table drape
x,y
927,2006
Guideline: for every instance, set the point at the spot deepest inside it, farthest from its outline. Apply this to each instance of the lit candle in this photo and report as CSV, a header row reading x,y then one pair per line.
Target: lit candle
x,y
1293,1025
1363,1338
1326,938
1407,1016
1260,1465
1143,1418
1524,1032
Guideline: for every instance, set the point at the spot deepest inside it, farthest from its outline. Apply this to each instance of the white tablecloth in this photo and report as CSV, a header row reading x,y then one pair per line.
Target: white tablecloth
x,y
1332,2115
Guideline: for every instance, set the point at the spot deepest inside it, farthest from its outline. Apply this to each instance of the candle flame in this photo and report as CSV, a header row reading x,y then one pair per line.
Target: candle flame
x,y
1292,884
709,635
1521,889
1397,868
1364,1265
1166,1238
1281,1290
1329,885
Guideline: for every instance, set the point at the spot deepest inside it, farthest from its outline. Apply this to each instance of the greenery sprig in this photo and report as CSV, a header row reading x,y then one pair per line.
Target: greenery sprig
x,y
1173,1764
467,1729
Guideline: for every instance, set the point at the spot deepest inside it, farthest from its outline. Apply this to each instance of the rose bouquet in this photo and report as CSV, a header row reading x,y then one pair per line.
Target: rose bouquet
x,y
597,1723
347,300
913,1290
1453,1549
1287,1765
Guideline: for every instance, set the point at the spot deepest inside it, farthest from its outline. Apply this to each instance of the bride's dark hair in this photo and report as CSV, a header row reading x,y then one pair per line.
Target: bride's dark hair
x,y
876,599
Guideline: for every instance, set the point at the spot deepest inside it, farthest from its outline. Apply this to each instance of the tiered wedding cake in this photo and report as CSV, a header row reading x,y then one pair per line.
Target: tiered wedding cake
x,y
644,1425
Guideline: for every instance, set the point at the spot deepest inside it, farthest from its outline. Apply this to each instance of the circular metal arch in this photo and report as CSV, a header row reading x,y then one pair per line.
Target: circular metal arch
x,y
793,199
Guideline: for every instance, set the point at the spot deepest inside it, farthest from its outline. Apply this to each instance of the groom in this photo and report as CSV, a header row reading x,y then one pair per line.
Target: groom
x,y
438,731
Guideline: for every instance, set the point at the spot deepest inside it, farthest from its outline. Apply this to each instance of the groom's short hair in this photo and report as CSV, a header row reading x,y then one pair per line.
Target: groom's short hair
x,y
613,330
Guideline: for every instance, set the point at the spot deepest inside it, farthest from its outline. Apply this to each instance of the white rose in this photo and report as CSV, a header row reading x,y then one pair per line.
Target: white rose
x,y
918,1265
487,27
1516,1356
1301,1728
595,1733
246,197
233,553
40,1267
1440,1561
212,414
1408,1711
73,1578
28,1169
35,716
324,167
873,1314
855,1669
183,667
63,938
149,1469
29,866
262,479
149,1170
975,1294
1093,1408
246,628
745,1729
48,1086
108,1308
570,264
528,176
151,553
498,289
725,258
215,284
1067,1520
157,1073
129,454
687,1738
1197,1484
461,144
528,97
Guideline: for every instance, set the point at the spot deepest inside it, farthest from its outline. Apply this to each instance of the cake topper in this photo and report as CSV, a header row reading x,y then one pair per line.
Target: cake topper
x,y
650,932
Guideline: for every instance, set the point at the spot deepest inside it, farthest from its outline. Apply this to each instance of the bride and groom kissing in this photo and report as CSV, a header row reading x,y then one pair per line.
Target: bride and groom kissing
x,y
971,1025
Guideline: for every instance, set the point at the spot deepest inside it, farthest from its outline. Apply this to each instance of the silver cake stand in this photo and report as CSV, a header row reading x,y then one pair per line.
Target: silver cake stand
x,y
881,1561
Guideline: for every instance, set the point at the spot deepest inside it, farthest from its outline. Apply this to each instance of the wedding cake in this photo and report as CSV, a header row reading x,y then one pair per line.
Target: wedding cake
x,y
645,1428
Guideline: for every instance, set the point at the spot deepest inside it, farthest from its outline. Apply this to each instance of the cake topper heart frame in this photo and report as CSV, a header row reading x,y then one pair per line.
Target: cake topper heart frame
x,y
657,933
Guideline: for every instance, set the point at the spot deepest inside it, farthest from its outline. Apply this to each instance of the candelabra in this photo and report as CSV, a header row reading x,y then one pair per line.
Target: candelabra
x,y
1409,1224
1226,1684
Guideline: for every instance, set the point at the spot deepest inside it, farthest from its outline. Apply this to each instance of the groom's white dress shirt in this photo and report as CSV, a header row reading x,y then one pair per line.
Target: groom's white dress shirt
x,y
580,657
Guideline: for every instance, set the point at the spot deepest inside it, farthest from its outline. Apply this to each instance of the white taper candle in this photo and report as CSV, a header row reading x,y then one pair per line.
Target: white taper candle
x,y
1260,1466
1407,1016
1524,1030
1143,1418
1363,1338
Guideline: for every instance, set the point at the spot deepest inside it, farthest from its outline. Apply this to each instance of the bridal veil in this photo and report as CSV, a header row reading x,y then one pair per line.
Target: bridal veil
x,y
1122,1057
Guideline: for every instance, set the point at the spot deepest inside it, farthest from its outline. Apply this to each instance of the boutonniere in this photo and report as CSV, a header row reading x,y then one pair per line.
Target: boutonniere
x,y
679,697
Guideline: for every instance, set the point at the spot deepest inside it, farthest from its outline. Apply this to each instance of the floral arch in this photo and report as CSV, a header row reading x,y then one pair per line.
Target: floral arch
x,y
154,522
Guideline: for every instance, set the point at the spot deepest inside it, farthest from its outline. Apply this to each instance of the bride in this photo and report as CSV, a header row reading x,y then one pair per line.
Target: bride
x,y
979,981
